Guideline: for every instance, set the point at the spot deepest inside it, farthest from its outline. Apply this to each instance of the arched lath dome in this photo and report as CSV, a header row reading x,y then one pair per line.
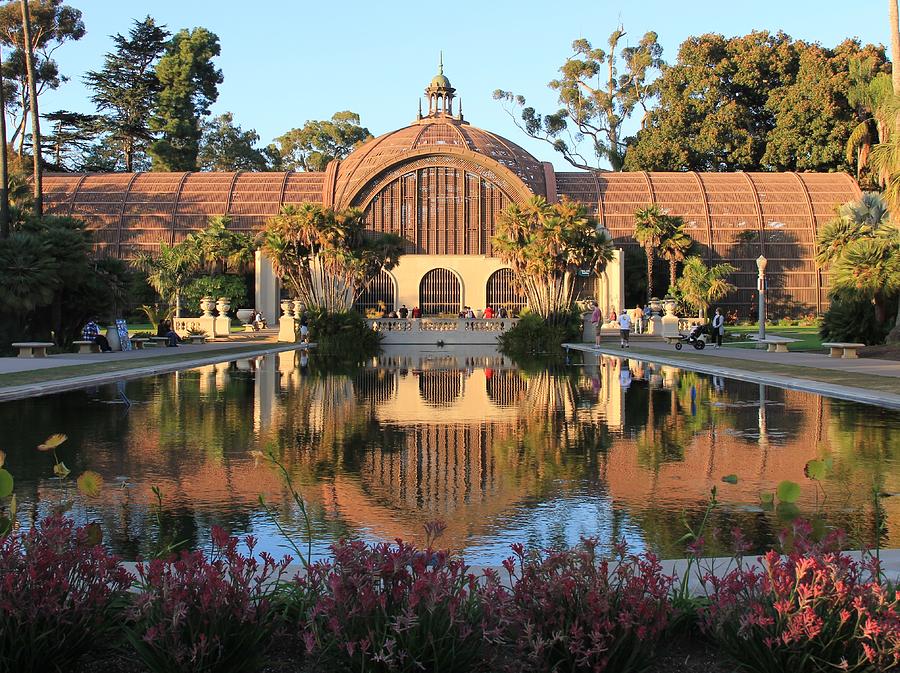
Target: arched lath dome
x,y
432,140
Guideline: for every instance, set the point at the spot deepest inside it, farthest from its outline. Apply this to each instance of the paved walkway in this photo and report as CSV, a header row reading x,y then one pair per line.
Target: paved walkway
x,y
807,371
10,365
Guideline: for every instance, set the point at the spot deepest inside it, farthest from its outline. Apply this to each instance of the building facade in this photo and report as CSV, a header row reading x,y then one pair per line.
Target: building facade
x,y
441,183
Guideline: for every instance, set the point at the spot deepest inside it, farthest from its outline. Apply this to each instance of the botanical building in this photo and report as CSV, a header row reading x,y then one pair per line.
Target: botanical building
x,y
441,183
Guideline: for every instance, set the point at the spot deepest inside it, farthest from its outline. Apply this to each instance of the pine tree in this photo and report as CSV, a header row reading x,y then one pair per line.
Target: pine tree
x,y
125,89
189,85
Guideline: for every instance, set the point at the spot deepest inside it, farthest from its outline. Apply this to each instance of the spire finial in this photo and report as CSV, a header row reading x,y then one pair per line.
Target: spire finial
x,y
441,63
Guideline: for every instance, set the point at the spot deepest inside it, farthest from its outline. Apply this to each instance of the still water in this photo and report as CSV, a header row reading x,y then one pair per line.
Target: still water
x,y
606,447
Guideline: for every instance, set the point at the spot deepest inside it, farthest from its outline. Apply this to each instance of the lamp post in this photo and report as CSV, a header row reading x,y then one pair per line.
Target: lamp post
x,y
761,287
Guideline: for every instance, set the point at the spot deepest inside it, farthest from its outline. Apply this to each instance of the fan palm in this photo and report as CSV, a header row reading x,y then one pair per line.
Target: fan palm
x,y
650,227
675,246
547,245
28,274
700,285
168,271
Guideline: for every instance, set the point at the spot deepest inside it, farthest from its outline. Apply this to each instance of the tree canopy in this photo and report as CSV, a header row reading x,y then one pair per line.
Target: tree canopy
x,y
598,90
761,101
125,90
311,147
225,146
189,84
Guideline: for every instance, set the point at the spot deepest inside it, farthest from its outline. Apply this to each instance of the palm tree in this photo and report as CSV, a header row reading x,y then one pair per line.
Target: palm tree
x,y
650,227
872,94
220,250
547,245
861,246
675,246
700,286
168,272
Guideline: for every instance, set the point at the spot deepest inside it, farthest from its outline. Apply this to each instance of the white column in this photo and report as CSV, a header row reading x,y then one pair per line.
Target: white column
x,y
267,289
615,286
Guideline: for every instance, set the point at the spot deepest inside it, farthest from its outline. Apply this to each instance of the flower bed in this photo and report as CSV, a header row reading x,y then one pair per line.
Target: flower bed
x,y
65,604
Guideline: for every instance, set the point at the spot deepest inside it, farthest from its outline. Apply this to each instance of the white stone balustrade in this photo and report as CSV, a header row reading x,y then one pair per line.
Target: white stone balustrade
x,y
447,330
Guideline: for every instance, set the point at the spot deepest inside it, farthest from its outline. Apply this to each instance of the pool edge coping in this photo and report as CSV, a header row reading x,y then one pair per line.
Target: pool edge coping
x,y
27,390
849,393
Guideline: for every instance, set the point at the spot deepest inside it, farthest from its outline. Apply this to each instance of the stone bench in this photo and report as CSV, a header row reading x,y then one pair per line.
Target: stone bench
x,y
157,341
197,338
776,344
847,351
33,349
86,347
138,343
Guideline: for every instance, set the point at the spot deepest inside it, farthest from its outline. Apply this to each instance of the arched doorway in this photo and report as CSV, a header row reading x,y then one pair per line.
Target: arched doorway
x,y
380,290
502,291
440,292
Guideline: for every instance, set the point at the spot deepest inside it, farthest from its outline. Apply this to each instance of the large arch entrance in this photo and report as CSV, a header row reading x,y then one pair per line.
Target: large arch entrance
x,y
379,293
502,291
440,292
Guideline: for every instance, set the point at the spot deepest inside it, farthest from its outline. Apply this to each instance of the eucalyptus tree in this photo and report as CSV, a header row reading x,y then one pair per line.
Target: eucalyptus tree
x,y
700,286
326,257
547,245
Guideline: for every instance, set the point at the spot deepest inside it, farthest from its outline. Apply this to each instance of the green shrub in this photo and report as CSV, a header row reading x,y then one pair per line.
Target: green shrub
x,y
226,285
535,336
344,335
854,321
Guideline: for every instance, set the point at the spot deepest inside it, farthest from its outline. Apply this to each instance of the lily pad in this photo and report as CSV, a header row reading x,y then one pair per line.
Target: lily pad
x,y
816,470
730,479
788,492
787,511
6,484
766,497
90,484
60,470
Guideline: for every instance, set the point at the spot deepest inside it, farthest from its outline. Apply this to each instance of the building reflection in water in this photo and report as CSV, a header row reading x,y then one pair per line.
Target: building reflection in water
x,y
615,448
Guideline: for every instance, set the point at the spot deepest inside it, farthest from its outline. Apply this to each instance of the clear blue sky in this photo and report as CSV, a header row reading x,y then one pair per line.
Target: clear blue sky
x,y
289,61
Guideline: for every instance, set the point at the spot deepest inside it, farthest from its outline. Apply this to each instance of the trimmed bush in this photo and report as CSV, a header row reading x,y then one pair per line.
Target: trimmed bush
x,y
533,335
854,321
343,335
61,596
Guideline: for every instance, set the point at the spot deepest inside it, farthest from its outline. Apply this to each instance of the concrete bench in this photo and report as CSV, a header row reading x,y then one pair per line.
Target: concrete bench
x,y
86,347
776,344
138,343
848,351
158,341
33,349
197,338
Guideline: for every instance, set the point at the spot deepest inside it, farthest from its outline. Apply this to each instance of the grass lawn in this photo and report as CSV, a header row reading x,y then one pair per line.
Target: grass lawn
x,y
809,339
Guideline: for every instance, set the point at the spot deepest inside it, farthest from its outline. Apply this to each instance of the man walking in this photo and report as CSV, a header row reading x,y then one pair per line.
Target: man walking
x,y
624,321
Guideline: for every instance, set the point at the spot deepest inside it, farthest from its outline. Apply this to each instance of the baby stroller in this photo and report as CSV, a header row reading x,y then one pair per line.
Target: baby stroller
x,y
697,337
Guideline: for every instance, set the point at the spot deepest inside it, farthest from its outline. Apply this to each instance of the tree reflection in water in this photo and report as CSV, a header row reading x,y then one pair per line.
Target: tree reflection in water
x,y
611,447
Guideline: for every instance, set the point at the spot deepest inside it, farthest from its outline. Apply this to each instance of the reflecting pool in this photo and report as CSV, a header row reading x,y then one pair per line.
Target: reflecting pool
x,y
607,447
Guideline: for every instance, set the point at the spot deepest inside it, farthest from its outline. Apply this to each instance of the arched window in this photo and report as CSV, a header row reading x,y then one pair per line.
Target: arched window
x,y
440,388
440,292
502,290
380,290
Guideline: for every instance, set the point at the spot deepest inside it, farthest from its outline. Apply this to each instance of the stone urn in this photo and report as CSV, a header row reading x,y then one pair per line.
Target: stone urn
x,y
245,315
207,304
223,305
669,305
299,308
655,306
287,308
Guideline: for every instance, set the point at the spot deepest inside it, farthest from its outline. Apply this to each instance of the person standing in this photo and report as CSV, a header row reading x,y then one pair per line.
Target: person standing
x,y
718,327
637,315
624,321
595,321
403,312
304,328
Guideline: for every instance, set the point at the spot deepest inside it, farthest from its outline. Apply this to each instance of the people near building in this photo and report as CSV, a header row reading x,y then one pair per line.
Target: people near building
x,y
625,375
488,313
470,314
624,321
718,327
596,322
403,312
258,321
613,316
416,312
503,313
162,329
392,314
91,332
637,317
165,330
304,328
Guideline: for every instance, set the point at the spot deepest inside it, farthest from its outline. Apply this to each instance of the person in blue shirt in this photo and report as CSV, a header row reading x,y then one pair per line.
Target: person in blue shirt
x,y
91,332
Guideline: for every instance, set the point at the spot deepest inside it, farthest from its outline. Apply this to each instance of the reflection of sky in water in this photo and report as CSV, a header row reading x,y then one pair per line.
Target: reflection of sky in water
x,y
609,448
